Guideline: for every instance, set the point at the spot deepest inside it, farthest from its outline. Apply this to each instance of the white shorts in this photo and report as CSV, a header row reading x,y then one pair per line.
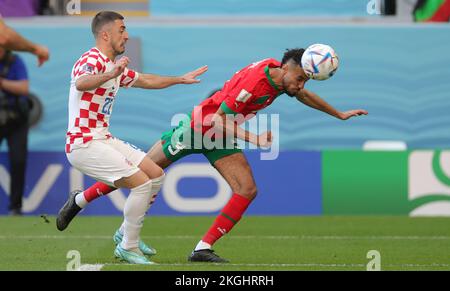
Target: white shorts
x,y
107,160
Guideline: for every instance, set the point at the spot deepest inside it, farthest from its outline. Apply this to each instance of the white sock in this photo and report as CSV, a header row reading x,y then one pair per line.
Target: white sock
x,y
156,186
134,213
80,200
202,246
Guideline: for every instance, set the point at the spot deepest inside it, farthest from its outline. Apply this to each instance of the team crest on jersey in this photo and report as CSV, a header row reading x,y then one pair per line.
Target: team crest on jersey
x,y
243,96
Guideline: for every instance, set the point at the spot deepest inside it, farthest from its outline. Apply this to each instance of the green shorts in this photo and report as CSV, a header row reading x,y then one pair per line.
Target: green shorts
x,y
183,140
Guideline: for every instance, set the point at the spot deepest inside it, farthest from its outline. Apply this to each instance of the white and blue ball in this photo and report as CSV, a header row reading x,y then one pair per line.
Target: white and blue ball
x,y
320,62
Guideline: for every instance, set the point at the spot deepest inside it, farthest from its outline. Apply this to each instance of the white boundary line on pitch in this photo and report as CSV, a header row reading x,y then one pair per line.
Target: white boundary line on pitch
x,y
99,267
274,237
90,267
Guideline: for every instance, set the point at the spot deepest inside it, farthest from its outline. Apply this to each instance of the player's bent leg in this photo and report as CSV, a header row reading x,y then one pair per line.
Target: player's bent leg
x,y
156,186
157,155
78,199
150,168
137,179
237,172
87,160
99,189
134,213
116,163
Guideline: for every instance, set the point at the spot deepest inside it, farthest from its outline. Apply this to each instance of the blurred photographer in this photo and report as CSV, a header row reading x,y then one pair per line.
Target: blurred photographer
x,y
14,114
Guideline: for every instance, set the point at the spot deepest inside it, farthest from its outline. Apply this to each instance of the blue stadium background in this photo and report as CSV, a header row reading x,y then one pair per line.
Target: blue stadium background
x,y
399,74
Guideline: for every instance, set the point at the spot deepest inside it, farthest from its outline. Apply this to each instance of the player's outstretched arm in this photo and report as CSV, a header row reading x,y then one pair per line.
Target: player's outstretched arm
x,y
11,40
223,123
151,81
313,100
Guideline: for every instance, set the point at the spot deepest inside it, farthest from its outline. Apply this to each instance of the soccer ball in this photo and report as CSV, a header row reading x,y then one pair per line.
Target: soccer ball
x,y
320,62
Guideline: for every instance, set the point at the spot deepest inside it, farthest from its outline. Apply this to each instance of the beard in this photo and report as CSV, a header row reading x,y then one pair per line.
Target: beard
x,y
120,49
119,52
286,91
290,94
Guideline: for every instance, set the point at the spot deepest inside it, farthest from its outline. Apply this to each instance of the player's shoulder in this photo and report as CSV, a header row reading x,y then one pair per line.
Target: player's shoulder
x,y
94,54
261,65
91,51
271,62
258,69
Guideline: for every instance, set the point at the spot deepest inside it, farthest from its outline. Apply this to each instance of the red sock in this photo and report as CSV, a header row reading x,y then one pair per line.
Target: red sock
x,y
230,215
97,190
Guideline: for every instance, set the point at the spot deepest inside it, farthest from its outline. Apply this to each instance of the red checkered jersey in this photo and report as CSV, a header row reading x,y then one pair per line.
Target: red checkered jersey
x,y
249,90
89,111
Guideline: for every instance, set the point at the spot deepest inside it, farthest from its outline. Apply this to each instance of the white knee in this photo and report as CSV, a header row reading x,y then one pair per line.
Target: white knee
x,y
156,186
143,189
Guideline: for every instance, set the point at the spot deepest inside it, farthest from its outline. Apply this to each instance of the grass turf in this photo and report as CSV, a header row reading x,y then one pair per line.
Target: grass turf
x,y
257,243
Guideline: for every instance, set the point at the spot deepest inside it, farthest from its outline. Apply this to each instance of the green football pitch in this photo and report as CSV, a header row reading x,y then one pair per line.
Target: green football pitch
x,y
257,243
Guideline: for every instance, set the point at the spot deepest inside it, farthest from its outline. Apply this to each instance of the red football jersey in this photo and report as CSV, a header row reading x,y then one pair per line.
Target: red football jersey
x,y
250,90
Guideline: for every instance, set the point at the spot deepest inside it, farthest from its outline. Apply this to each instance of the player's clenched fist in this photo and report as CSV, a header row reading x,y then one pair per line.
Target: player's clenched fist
x,y
265,139
120,66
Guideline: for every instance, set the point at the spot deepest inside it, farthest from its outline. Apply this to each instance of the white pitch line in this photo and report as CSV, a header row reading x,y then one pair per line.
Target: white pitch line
x,y
419,265
270,237
90,267
312,265
381,237
98,267
270,265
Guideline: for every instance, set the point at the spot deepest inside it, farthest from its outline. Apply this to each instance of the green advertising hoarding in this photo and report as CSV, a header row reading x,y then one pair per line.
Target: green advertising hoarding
x,y
415,183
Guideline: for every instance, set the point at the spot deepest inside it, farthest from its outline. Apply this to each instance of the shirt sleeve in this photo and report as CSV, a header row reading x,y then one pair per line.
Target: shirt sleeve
x,y
19,69
128,78
91,65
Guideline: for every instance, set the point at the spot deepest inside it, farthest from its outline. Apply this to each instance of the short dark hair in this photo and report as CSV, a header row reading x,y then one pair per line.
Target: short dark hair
x,y
102,18
293,54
